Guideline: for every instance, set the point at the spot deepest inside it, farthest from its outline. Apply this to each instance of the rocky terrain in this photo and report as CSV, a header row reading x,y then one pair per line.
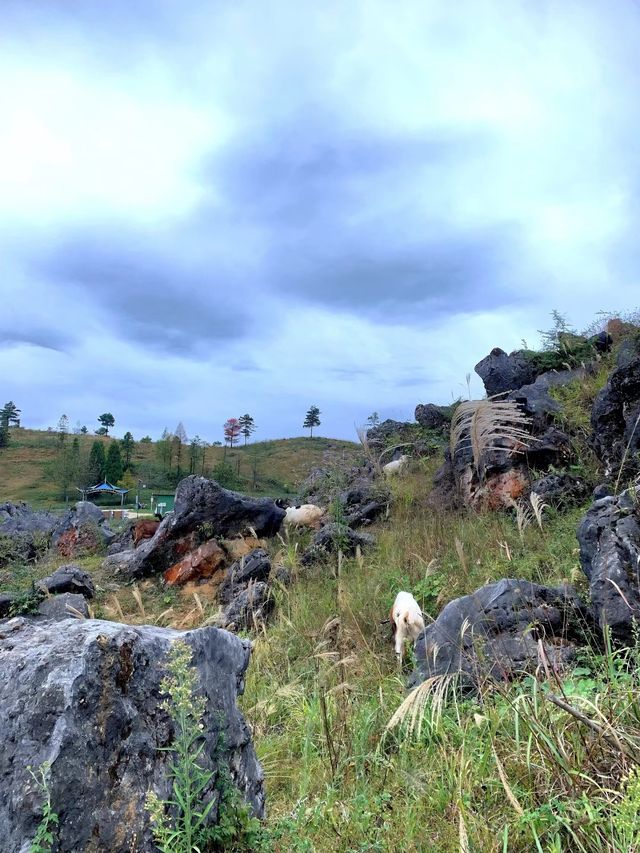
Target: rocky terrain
x,y
553,451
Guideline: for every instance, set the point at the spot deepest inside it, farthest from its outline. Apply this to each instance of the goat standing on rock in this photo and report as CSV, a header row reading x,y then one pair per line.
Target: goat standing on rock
x,y
406,620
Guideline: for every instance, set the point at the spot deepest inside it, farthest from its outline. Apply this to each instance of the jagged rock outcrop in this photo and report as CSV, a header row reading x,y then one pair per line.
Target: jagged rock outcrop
x,y
615,419
433,417
203,512
85,695
536,400
333,538
501,372
561,490
400,432
609,538
496,633
122,542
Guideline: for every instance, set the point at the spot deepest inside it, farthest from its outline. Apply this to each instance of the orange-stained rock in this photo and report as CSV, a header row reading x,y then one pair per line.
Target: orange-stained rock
x,y
241,546
78,540
201,563
502,490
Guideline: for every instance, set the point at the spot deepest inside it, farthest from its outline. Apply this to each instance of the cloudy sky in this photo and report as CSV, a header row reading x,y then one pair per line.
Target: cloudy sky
x,y
211,208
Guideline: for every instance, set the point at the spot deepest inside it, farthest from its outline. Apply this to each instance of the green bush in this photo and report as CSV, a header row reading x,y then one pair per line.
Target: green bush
x,y
183,824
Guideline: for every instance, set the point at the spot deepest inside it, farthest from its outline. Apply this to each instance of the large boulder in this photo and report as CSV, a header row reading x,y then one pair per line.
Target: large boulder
x,y
21,518
609,537
203,511
64,606
496,632
82,530
615,419
501,372
25,533
85,696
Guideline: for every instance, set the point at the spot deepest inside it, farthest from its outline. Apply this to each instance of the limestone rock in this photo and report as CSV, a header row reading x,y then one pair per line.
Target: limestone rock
x,y
85,695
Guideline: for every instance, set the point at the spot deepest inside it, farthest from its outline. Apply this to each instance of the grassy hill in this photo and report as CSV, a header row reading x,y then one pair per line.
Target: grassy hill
x,y
262,468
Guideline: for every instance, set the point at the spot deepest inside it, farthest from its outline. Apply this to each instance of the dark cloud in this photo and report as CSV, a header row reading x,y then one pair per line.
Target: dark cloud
x,y
148,295
344,226
36,337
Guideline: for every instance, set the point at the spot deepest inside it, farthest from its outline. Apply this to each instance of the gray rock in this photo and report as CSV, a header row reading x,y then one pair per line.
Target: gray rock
x,y
251,607
203,510
553,447
63,606
75,525
283,575
69,578
535,398
609,538
430,416
20,518
29,530
615,419
256,566
493,633
6,600
85,695
122,542
501,372
333,538
389,432
561,490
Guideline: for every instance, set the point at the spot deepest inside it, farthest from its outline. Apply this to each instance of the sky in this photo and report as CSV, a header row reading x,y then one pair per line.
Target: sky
x,y
212,208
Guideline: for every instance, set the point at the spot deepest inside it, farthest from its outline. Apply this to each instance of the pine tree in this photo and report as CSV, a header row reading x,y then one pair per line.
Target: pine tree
x,y
107,420
247,426
9,415
127,444
312,419
113,468
97,462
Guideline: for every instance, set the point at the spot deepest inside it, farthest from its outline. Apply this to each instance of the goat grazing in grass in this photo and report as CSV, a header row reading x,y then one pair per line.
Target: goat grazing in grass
x,y
398,466
406,620
307,515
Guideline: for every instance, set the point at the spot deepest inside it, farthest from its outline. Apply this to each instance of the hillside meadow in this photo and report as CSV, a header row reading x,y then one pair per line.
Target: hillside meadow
x,y
263,467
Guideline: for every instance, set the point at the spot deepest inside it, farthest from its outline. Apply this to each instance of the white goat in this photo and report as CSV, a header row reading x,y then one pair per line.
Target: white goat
x,y
307,515
396,467
406,620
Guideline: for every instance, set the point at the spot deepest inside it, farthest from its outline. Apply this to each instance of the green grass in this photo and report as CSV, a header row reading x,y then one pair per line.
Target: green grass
x,y
323,686
281,465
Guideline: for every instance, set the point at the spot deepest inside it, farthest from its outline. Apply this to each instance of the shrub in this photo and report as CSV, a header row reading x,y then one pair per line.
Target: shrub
x,y
183,824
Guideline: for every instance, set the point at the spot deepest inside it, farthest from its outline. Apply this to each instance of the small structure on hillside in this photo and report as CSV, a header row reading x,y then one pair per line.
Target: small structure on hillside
x,y
162,503
103,488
